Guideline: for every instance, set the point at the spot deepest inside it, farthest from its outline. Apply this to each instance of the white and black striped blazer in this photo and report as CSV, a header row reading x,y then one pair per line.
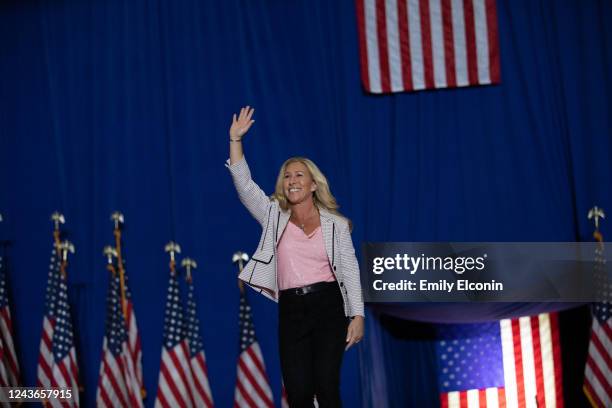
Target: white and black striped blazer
x,y
260,272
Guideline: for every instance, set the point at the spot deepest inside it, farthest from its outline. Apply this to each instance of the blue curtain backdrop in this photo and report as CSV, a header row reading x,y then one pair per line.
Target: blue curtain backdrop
x,y
108,105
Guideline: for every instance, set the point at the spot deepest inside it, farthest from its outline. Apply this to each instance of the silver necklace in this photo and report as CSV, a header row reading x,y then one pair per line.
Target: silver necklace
x,y
303,225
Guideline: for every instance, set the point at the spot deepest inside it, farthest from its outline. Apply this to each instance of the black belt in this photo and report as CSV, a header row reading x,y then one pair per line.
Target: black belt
x,y
304,290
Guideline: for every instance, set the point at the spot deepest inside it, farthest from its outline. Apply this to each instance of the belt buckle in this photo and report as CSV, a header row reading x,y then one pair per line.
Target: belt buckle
x,y
300,291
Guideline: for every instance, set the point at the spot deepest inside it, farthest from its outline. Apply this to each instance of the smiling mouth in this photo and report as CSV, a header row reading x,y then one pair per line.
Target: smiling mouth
x,y
294,190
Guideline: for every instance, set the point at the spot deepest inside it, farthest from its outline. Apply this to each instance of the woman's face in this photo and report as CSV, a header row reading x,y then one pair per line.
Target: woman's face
x,y
298,184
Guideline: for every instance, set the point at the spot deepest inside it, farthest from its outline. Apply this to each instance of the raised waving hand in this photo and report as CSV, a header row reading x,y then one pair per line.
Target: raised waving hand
x,y
240,126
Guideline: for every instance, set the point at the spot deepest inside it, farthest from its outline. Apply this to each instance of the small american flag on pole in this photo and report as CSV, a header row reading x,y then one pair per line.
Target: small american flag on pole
x,y
410,45
134,345
197,359
510,363
175,385
252,384
57,363
9,368
118,385
598,371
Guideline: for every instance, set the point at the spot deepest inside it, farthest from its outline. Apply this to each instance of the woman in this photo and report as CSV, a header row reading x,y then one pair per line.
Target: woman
x,y
306,261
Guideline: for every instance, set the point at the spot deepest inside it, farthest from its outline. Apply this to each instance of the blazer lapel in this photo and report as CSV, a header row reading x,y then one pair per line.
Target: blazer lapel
x,y
328,227
283,219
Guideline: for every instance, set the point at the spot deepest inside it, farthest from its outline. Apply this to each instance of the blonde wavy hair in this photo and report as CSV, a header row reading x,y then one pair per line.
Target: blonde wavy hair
x,y
322,196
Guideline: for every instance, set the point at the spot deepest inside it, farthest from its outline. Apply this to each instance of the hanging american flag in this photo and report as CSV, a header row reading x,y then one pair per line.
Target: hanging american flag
x,y
9,368
510,363
175,384
118,385
409,45
197,359
598,371
57,363
252,385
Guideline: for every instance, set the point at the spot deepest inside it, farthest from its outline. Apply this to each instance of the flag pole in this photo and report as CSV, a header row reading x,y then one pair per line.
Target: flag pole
x,y
118,219
188,264
240,257
595,214
65,246
57,219
110,252
172,248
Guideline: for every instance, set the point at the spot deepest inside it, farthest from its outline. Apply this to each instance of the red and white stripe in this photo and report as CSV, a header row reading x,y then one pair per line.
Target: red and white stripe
x,y
489,397
284,398
410,45
118,385
252,385
532,368
45,355
65,375
134,346
175,383
9,369
598,373
202,394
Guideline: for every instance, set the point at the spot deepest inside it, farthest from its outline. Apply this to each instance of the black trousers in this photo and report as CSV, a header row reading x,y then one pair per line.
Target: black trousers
x,y
312,337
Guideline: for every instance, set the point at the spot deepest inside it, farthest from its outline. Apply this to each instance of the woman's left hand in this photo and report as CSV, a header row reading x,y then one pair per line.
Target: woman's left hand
x,y
354,333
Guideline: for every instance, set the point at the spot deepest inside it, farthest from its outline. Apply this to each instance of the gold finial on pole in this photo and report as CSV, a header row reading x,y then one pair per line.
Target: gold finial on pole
x,y
596,213
240,258
65,247
188,264
117,218
110,252
57,219
172,248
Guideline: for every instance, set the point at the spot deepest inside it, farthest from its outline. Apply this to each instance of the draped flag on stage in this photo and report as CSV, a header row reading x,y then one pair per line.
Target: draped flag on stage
x,y
252,384
57,363
598,371
9,367
118,384
175,385
409,45
510,363
197,359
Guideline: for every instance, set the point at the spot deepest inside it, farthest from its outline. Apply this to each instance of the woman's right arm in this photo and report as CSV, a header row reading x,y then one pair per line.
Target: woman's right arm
x,y
253,198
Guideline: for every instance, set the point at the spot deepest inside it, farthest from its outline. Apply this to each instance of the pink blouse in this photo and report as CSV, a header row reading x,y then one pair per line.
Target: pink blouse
x,y
302,259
